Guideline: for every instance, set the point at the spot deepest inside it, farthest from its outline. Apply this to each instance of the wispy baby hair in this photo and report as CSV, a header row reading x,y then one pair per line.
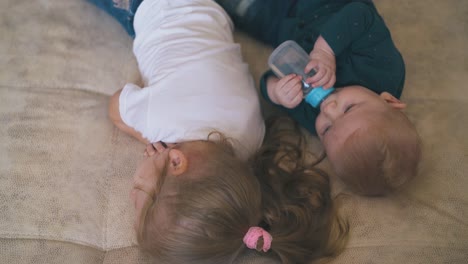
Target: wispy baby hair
x,y
380,157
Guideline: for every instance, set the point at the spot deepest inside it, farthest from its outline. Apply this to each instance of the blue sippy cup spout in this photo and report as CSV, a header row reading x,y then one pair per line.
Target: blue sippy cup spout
x,y
317,95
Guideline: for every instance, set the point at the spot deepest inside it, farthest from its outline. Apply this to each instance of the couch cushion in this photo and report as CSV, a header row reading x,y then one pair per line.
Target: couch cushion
x,y
65,171
63,45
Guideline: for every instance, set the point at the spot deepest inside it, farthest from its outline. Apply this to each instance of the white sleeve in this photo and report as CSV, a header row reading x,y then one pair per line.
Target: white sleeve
x,y
133,107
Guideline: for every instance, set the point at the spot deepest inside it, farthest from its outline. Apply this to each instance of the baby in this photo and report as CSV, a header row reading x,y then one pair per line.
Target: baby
x,y
370,143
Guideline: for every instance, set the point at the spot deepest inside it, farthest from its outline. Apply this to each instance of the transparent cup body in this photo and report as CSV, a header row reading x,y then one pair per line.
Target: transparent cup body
x,y
290,58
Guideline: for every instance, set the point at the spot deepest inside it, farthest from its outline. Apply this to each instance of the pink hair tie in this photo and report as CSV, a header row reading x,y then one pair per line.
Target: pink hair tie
x,y
252,236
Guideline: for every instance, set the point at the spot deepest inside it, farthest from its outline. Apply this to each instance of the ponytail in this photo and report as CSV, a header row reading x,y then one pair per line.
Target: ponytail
x,y
297,207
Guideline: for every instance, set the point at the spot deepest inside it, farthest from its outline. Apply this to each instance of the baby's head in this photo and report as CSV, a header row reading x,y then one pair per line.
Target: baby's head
x,y
370,143
195,201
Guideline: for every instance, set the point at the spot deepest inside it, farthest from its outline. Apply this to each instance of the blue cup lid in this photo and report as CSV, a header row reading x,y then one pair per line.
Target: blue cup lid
x,y
317,95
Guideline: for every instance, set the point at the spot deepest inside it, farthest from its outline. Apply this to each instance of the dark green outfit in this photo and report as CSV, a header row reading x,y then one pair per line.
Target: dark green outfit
x,y
364,50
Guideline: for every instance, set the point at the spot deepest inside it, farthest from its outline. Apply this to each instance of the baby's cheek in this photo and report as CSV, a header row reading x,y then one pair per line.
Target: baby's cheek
x,y
319,123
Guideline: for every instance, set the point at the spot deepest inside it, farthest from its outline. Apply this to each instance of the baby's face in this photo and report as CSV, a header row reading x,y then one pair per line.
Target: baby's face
x,y
343,112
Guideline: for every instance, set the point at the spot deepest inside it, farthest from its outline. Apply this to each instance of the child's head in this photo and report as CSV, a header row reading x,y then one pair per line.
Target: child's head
x,y
192,196
196,203
370,143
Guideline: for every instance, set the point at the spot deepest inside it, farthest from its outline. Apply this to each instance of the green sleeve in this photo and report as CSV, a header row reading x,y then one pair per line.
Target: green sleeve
x,y
304,114
263,85
364,49
347,25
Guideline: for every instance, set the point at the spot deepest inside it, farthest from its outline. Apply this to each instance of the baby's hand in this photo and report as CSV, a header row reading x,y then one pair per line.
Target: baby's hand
x,y
153,148
322,60
286,91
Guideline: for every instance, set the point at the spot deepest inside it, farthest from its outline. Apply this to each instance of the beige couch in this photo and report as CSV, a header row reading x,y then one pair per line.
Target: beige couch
x,y
65,171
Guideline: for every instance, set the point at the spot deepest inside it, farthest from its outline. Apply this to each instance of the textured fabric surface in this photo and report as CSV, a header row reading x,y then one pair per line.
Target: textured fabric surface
x,y
65,171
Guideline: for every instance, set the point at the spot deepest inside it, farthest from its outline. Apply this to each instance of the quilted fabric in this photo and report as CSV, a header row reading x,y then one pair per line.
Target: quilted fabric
x,y
65,171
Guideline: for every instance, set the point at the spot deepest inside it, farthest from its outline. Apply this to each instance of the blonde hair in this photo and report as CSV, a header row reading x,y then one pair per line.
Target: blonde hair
x,y
203,219
381,157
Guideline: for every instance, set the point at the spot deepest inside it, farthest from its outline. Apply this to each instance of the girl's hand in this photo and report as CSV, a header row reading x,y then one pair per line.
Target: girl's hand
x,y
286,91
322,60
157,147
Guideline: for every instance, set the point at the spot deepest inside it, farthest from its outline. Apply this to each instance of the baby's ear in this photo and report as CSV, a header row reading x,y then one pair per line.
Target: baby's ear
x,y
392,100
177,162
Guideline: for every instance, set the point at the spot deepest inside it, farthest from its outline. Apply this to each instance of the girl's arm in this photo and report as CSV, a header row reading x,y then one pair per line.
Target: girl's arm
x,y
114,115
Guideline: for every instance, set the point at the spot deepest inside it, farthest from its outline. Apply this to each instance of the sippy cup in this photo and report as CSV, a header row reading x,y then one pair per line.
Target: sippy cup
x,y
289,58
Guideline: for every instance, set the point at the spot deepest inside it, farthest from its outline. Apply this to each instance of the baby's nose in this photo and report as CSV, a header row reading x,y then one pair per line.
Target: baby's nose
x,y
328,106
330,109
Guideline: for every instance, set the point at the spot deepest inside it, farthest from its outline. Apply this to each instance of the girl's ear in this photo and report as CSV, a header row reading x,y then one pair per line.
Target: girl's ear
x,y
177,162
392,100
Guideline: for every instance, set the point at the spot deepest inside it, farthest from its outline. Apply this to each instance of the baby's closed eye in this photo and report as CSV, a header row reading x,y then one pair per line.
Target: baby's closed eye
x,y
348,107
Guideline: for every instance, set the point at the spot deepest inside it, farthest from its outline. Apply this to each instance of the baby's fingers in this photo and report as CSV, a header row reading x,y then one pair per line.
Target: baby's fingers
x,y
325,78
291,96
318,77
293,82
297,100
312,65
330,83
286,80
